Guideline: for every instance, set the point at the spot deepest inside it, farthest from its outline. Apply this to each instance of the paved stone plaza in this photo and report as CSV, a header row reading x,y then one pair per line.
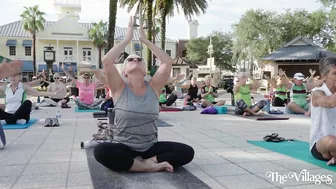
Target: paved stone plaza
x,y
40,157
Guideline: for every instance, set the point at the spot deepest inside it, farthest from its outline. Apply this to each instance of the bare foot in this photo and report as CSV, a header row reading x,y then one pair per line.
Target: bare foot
x,y
246,114
259,114
163,166
307,114
332,161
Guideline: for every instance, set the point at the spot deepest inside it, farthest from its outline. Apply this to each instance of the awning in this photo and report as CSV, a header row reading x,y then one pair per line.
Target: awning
x,y
2,58
67,65
45,67
11,42
27,66
27,43
137,47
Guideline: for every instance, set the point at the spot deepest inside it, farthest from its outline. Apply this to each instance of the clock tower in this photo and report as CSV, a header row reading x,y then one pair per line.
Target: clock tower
x,y
49,57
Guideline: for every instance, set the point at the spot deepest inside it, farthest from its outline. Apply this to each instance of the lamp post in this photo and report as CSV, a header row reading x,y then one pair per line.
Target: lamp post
x,y
210,52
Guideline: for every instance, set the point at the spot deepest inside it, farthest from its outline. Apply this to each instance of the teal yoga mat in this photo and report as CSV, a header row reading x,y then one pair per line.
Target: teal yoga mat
x,y
77,110
297,149
20,126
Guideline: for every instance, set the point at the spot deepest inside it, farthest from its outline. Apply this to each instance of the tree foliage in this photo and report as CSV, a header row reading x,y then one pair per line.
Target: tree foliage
x,y
222,46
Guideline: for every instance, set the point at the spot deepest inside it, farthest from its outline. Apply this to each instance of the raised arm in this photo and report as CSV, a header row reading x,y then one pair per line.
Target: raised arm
x,y
101,80
113,78
255,85
320,99
73,80
161,76
7,69
34,92
311,83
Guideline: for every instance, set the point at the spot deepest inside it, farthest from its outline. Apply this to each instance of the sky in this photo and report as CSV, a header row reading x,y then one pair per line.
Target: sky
x,y
220,15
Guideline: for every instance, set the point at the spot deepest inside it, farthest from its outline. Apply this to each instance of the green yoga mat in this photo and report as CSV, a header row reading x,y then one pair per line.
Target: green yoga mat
x,y
297,149
92,110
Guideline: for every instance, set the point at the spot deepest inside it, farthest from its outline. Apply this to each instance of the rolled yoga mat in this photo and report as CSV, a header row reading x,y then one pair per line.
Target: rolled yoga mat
x,y
297,149
88,110
103,178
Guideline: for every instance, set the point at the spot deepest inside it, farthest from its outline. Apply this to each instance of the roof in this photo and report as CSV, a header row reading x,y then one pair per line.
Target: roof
x,y
178,61
15,29
299,49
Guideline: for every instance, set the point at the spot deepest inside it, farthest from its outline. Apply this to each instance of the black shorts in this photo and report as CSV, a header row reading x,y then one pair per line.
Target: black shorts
x,y
316,154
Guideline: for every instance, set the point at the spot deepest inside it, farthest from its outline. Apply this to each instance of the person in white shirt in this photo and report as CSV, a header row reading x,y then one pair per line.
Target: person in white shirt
x,y
323,114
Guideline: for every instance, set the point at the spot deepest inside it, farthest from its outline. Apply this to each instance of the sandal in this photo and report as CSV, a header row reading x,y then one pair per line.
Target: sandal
x,y
48,122
274,137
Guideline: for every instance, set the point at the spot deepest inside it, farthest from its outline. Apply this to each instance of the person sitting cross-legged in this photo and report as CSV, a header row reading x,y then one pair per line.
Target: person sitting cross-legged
x,y
242,96
57,85
323,111
209,93
86,91
18,108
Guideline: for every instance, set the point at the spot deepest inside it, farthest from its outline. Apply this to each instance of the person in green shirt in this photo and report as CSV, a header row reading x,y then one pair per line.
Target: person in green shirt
x,y
280,85
209,93
164,102
299,99
242,96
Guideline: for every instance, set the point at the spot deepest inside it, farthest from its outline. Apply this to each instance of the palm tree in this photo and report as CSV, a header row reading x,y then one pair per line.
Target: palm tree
x,y
98,34
112,22
166,8
33,22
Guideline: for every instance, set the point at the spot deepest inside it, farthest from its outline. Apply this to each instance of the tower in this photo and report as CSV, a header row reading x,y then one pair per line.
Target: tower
x,y
68,8
193,29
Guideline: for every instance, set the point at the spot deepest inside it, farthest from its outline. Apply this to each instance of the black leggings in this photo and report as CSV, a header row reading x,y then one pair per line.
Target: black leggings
x,y
278,101
22,113
170,101
119,157
58,99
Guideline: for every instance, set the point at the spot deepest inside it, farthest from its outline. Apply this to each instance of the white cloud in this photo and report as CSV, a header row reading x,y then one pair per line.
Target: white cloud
x,y
220,15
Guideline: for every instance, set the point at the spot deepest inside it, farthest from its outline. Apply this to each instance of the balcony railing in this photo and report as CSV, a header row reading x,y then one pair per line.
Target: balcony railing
x,y
68,2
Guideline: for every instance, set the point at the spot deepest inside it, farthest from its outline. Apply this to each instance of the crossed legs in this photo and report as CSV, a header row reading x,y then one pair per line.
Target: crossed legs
x,y
326,146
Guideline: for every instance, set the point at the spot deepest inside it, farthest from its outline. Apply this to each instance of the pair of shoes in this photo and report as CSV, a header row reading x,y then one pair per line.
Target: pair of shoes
x,y
51,122
274,137
65,106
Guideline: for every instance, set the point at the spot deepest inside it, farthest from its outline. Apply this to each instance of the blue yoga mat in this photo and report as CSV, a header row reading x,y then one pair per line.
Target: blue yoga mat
x,y
20,126
297,149
91,110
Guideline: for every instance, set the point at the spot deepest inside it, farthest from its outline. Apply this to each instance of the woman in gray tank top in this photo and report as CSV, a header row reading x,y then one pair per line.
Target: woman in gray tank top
x,y
136,114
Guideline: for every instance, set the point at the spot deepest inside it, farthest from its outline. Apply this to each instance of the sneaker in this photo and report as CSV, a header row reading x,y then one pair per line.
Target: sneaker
x,y
55,122
48,122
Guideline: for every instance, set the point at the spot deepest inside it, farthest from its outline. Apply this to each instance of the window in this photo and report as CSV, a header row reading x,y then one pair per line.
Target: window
x,y
138,53
168,52
176,71
105,51
68,53
12,50
87,54
28,51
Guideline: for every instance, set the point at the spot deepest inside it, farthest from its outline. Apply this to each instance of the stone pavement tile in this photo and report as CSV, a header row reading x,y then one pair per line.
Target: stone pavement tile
x,y
272,156
253,149
79,178
310,186
78,156
11,170
80,187
7,182
244,182
46,169
210,145
261,167
79,167
59,158
199,138
295,165
330,174
241,157
41,181
209,159
14,160
223,170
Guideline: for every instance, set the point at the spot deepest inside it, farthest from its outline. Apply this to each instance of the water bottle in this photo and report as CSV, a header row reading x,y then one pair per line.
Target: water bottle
x,y
58,115
38,99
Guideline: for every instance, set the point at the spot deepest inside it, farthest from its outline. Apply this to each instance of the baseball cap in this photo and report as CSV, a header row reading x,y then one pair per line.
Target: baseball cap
x,y
299,76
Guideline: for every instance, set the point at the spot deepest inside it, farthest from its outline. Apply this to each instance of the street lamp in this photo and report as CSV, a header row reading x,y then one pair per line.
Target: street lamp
x,y
210,52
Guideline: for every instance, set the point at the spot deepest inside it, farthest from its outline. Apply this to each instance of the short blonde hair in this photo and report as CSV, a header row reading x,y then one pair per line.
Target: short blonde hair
x,y
56,75
128,57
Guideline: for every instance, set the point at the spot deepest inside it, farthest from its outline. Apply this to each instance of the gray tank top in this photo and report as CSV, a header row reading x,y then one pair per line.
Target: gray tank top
x,y
136,119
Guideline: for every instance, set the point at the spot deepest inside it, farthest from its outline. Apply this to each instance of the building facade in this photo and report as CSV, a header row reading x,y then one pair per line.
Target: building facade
x,y
68,37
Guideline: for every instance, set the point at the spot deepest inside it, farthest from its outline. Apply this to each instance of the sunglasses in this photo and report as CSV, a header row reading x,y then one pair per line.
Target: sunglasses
x,y
56,77
132,59
86,78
